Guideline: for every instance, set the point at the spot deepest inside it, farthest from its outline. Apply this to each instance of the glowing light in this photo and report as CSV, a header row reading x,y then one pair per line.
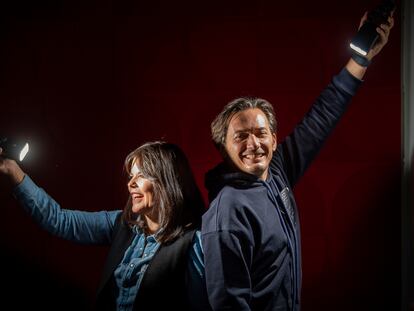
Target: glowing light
x,y
358,49
24,152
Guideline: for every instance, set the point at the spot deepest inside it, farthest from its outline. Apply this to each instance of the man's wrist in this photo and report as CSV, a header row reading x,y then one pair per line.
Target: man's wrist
x,y
361,60
355,69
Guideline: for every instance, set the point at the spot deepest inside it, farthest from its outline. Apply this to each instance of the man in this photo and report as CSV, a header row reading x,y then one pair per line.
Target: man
x,y
251,233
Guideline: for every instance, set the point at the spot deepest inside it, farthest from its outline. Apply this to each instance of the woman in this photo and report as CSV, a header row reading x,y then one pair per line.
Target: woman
x,y
155,259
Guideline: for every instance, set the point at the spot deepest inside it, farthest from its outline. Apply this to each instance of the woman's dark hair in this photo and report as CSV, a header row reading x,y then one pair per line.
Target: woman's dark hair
x,y
176,195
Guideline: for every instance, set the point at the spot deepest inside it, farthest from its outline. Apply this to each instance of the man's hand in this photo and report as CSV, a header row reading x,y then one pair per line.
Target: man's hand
x,y
11,169
383,31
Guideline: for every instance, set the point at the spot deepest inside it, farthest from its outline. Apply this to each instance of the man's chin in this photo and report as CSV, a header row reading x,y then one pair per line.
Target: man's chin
x,y
256,170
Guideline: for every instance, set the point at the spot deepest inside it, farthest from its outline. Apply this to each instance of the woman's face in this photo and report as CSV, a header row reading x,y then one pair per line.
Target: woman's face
x,y
141,190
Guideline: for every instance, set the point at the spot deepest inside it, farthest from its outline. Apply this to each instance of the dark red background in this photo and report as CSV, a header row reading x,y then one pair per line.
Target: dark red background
x,y
88,81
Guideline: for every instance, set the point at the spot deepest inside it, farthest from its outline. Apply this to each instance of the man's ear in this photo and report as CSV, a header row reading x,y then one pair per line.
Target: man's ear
x,y
274,143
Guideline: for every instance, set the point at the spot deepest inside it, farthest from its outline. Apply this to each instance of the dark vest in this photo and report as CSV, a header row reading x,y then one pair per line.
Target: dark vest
x,y
164,283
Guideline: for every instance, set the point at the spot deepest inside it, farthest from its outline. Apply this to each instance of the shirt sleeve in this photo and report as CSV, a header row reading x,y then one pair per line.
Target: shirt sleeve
x,y
196,288
77,226
298,150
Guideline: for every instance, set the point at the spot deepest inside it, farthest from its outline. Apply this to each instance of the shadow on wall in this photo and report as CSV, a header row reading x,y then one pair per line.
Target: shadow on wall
x,y
28,286
367,227
352,257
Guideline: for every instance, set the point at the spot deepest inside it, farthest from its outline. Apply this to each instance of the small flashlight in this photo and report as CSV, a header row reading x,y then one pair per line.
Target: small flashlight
x,y
14,150
367,35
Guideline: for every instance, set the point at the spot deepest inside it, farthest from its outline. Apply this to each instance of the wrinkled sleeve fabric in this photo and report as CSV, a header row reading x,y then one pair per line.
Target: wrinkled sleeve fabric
x,y
83,227
228,251
196,289
298,150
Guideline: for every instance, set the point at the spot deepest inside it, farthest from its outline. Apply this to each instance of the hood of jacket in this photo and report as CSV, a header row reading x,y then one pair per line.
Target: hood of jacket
x,y
222,175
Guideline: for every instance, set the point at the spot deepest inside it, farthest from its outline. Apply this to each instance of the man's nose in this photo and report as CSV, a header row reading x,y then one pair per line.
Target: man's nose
x,y
253,142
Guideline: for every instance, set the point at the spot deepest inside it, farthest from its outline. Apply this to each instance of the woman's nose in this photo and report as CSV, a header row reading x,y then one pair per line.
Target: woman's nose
x,y
132,183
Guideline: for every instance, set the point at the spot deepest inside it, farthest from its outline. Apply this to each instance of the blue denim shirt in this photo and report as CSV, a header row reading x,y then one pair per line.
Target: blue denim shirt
x,y
95,228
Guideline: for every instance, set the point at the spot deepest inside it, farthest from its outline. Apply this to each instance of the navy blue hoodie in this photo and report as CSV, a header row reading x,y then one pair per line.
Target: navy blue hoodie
x,y
251,233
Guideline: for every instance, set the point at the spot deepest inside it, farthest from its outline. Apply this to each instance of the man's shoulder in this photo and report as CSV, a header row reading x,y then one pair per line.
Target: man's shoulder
x,y
234,203
231,195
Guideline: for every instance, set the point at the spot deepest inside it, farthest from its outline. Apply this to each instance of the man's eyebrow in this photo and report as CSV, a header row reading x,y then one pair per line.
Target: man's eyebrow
x,y
249,130
241,131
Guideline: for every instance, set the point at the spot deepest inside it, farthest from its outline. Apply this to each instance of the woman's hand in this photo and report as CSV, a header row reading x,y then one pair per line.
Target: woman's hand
x,y
11,169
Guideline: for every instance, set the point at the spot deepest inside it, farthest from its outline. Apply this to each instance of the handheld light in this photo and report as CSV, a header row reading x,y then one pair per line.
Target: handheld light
x,y
14,150
367,35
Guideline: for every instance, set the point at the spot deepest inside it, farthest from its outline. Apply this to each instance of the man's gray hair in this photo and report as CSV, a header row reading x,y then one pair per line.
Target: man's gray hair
x,y
220,124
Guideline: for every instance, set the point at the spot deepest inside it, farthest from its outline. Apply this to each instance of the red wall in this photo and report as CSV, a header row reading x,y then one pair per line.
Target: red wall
x,y
88,81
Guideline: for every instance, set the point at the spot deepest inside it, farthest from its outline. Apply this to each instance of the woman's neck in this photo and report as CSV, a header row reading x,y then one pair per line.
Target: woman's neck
x,y
152,223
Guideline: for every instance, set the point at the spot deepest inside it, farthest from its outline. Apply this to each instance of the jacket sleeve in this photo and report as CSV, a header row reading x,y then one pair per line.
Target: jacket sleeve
x,y
228,253
298,150
77,226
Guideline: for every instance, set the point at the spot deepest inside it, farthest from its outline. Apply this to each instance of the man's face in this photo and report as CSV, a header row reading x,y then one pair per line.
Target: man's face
x,y
250,142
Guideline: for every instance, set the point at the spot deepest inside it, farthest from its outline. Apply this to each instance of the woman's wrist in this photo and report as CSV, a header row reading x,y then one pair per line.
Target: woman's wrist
x,y
15,173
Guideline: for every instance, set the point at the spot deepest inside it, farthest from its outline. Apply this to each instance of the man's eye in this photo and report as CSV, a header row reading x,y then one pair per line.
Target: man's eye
x,y
261,133
241,136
